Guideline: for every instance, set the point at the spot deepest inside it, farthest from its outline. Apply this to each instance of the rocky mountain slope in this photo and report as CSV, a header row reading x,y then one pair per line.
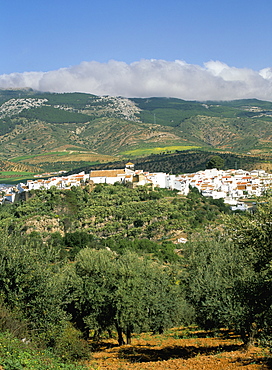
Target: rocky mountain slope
x,y
34,123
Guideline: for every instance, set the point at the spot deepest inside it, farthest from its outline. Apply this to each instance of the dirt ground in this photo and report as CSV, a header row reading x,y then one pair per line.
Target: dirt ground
x,y
175,351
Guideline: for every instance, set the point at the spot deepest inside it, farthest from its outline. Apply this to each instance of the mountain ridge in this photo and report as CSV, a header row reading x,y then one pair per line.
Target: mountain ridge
x,y
33,123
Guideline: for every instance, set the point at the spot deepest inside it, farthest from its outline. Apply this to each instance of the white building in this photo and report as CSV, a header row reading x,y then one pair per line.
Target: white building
x,y
229,185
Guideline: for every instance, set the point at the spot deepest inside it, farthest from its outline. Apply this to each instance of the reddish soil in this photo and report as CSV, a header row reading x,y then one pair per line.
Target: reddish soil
x,y
172,352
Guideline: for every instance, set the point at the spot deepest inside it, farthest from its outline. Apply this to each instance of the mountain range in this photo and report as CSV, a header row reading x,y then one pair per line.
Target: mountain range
x,y
52,130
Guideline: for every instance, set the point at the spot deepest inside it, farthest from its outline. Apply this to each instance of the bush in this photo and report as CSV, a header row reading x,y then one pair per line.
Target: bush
x,y
12,322
70,346
16,355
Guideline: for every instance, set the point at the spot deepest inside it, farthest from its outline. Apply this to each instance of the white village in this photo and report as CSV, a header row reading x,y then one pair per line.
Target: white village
x,y
233,186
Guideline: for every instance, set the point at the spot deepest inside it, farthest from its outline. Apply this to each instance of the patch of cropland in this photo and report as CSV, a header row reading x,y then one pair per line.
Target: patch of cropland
x,y
10,166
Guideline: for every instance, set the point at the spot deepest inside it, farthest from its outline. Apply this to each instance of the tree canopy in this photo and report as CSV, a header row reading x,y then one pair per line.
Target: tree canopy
x,y
229,275
128,292
215,162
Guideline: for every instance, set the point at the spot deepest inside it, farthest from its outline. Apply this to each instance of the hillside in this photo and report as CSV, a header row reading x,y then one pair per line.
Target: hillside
x,y
56,131
111,211
184,162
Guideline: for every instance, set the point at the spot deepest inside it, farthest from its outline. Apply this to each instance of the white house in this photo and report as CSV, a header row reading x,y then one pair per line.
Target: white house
x,y
111,176
158,179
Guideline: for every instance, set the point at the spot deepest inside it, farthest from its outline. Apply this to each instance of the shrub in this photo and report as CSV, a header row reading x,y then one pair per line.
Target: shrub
x,y
70,346
16,355
11,321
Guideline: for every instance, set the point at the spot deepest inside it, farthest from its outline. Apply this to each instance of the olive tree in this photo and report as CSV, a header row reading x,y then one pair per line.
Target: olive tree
x,y
229,275
29,282
215,162
129,292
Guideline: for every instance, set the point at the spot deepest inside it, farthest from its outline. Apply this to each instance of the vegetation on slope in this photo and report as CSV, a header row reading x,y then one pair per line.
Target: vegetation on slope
x,y
112,211
53,115
35,123
186,162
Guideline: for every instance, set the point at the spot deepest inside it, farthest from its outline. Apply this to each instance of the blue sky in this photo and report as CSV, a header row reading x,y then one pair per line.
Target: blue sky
x,y
45,36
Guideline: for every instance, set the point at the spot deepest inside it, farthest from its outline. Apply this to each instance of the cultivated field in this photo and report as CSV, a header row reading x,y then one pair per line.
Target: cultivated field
x,y
64,156
157,150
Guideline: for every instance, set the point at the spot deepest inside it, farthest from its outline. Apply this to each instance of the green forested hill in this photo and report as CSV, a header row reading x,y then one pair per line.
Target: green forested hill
x,y
34,124
114,211
240,126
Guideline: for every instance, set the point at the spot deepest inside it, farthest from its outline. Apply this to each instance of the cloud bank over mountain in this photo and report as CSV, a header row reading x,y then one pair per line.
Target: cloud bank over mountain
x,y
145,78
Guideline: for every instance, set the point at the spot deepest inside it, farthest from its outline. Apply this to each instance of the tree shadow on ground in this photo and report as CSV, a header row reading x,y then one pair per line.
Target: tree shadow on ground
x,y
143,354
222,333
261,361
101,345
268,363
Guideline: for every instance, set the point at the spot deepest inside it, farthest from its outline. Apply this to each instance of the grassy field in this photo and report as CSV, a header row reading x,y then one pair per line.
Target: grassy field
x,y
64,160
64,156
157,150
10,177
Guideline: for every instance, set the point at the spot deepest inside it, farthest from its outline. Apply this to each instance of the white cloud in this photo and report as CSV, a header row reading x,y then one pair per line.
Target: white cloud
x,y
212,81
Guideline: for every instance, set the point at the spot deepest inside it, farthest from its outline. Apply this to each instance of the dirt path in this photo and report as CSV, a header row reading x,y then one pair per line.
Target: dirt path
x,y
172,353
